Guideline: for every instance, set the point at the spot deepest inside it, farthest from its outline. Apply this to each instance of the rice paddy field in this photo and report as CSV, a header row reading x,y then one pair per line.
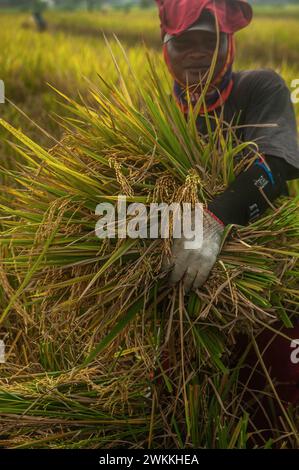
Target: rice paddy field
x,y
87,324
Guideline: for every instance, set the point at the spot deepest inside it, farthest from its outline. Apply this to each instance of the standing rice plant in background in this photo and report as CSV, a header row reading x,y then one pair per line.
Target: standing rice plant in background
x,y
100,351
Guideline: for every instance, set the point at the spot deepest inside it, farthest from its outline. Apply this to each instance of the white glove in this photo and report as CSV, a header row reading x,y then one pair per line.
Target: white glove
x,y
193,266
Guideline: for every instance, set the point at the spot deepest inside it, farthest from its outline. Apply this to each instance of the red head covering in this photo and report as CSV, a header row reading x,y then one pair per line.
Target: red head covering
x,y
177,15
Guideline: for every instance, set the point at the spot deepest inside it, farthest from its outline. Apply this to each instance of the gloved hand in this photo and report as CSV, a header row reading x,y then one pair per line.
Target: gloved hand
x,y
193,266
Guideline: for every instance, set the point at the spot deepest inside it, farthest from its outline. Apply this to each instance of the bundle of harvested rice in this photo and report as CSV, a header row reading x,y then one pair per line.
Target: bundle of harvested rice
x,y
88,322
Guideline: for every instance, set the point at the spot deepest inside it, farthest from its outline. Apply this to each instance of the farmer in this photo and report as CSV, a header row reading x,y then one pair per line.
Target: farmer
x,y
38,8
255,97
